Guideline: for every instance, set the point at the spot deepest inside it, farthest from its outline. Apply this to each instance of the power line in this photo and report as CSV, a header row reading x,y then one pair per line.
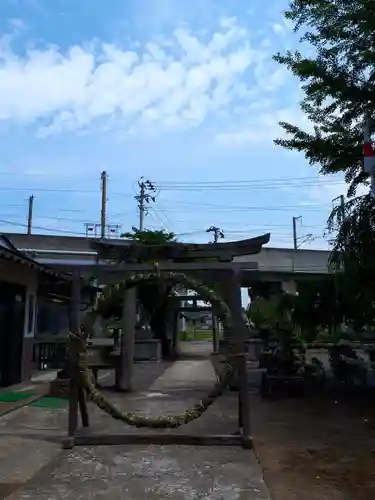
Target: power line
x,y
246,181
255,227
41,228
252,229
160,211
247,187
177,182
60,190
207,207
232,232
48,217
299,240
251,185
50,190
165,223
196,186
147,193
195,203
41,174
312,208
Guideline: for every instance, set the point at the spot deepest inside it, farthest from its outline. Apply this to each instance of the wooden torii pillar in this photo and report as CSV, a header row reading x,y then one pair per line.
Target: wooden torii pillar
x,y
230,287
231,274
124,370
76,394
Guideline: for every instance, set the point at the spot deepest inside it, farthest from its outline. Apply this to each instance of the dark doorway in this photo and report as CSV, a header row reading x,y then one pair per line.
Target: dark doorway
x,y
12,316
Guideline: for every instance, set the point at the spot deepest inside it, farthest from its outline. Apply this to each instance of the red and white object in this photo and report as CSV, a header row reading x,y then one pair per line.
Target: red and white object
x,y
368,149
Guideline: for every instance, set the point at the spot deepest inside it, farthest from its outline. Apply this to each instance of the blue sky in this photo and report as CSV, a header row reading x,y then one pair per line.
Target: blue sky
x,y
184,93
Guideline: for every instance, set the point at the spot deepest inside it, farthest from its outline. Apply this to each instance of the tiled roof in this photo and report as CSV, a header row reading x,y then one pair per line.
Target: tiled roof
x,y
9,251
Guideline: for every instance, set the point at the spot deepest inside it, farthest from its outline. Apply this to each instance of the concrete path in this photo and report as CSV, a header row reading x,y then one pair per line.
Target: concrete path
x,y
186,375
130,472
152,472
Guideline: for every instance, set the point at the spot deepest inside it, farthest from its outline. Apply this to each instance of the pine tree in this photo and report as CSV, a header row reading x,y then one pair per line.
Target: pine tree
x,y
338,81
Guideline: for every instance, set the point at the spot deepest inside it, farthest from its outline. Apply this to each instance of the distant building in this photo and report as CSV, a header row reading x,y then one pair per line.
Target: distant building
x,y
198,319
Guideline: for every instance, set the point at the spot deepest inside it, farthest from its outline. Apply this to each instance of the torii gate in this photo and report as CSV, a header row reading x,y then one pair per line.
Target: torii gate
x,y
213,262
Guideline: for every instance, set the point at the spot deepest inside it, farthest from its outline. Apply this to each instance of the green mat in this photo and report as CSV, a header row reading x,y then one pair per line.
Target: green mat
x,y
47,402
13,397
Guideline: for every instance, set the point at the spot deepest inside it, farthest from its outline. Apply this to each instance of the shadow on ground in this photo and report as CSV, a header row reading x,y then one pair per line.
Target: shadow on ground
x,y
317,448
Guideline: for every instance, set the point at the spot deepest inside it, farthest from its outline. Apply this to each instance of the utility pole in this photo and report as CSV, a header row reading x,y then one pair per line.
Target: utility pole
x,y
342,206
341,200
368,150
217,233
299,240
142,191
295,239
146,195
30,215
103,213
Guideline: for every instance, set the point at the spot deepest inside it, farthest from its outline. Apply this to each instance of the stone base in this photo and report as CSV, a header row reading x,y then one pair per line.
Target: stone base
x,y
253,348
147,350
218,361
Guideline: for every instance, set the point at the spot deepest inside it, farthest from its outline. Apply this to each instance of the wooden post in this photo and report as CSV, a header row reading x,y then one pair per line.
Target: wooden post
x,y
215,333
129,318
175,333
226,295
82,403
73,385
238,338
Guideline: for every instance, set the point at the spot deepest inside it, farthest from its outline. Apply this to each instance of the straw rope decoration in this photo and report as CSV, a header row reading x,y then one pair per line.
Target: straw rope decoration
x,y
85,378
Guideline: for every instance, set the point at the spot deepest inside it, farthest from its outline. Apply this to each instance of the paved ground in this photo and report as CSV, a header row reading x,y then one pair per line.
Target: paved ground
x,y
38,386
31,455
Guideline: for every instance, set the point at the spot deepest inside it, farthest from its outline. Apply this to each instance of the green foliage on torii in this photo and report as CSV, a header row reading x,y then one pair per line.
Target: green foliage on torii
x,y
150,237
84,376
110,302
153,295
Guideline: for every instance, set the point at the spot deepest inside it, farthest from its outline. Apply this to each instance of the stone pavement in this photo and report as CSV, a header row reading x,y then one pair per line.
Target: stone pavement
x,y
38,386
31,454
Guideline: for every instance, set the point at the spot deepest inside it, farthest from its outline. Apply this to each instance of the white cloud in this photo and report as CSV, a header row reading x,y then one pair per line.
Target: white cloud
x,y
329,189
284,27
178,83
324,193
263,126
278,28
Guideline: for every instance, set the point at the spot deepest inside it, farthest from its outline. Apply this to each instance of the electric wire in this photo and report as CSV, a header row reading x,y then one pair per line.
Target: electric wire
x,y
160,211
